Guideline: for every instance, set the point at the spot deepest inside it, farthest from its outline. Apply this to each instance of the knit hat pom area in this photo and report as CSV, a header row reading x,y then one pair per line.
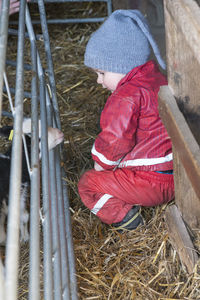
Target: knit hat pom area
x,y
121,43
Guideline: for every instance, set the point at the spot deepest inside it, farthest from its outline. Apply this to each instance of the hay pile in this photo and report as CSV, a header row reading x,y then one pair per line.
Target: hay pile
x,y
139,265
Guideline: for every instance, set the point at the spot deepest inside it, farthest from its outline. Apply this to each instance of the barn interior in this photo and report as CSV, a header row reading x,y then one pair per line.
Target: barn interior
x,y
141,264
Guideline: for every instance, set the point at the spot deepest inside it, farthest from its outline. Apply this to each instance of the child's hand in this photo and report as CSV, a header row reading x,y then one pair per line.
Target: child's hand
x,y
97,167
14,6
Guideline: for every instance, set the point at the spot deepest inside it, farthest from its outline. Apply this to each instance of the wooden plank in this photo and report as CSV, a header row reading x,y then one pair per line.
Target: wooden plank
x,y
182,22
186,15
181,136
180,238
185,197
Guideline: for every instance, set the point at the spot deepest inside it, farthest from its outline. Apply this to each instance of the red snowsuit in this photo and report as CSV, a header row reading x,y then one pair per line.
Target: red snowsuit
x,y
132,145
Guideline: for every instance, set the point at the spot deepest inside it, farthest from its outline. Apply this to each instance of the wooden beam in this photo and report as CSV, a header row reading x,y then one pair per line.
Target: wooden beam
x,y
180,238
186,15
181,136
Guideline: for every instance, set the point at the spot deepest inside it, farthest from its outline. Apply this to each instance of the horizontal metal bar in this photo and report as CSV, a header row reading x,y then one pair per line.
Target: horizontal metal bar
x,y
15,32
7,114
69,21
12,90
63,1
13,64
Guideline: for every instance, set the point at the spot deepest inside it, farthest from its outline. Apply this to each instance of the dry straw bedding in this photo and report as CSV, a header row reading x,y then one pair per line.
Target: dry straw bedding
x,y
139,265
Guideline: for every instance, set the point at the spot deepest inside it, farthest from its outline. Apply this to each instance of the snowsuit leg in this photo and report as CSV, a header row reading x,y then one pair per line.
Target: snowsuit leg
x,y
110,195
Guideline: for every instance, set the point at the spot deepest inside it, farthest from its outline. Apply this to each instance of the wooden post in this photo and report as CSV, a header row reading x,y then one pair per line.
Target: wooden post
x,y
182,28
182,22
186,158
180,237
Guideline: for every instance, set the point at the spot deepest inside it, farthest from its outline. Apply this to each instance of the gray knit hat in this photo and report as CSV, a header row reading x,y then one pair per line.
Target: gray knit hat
x,y
121,43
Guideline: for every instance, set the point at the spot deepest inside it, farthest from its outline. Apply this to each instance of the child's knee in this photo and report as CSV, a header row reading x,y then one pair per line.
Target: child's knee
x,y
86,178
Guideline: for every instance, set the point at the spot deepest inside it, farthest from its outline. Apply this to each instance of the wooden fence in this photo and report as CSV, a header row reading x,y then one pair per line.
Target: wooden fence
x,y
179,107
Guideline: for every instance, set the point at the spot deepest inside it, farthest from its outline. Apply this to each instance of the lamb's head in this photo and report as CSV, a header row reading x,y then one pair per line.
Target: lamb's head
x,y
55,136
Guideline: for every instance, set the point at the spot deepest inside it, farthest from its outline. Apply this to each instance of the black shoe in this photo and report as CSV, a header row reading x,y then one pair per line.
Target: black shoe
x,y
131,221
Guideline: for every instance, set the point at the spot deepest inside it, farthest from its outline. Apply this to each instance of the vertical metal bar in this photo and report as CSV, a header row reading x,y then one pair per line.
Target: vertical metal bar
x,y
109,7
12,247
34,265
73,285
54,215
2,281
3,43
70,248
63,239
8,92
47,229
55,231
49,60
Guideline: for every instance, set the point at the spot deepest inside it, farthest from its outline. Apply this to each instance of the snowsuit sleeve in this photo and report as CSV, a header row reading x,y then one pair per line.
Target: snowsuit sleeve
x,y
118,124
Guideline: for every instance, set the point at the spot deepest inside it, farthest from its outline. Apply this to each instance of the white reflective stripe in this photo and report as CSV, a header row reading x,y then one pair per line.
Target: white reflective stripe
x,y
100,203
103,158
146,161
134,162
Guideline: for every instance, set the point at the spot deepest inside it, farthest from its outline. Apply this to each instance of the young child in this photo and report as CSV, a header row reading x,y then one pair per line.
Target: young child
x,y
133,152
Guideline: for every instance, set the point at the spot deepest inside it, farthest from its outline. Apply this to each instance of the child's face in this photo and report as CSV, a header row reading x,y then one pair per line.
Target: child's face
x,y
108,80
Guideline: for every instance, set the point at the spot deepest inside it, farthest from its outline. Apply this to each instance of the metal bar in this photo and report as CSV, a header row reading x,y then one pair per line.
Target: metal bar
x,y
7,114
54,215
12,246
47,227
12,31
34,265
13,64
69,21
49,61
63,1
74,20
3,43
56,114
55,231
13,91
32,37
109,7
67,286
70,247
2,281
9,94
26,154
59,262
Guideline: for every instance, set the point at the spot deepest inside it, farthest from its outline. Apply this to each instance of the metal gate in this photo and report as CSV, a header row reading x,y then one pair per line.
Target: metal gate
x,y
54,217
